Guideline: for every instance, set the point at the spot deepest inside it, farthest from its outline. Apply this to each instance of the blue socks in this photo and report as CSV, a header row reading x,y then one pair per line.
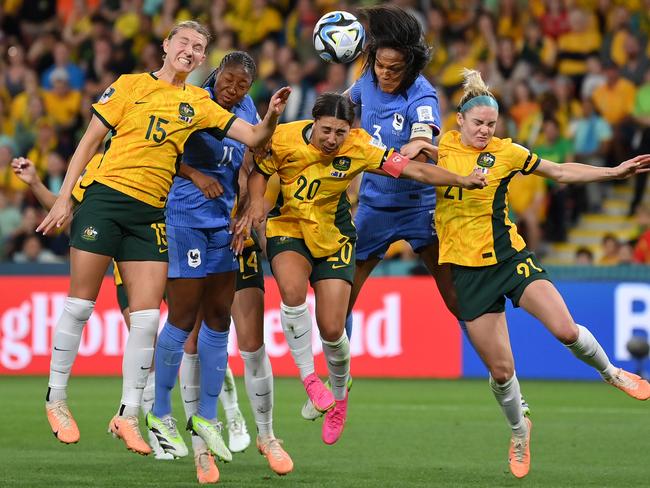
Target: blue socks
x,y
348,326
167,360
213,360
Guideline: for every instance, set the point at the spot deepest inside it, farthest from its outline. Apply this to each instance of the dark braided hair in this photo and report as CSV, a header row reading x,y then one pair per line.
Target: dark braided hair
x,y
389,26
238,58
333,105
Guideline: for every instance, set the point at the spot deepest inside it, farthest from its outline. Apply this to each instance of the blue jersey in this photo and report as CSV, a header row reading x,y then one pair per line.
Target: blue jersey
x,y
388,118
220,159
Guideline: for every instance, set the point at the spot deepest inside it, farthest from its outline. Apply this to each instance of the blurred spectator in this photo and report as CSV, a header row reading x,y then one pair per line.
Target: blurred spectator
x,y
555,20
610,250
524,104
642,246
559,150
636,61
641,142
594,77
46,142
507,69
574,46
62,103
302,94
15,71
626,253
10,217
55,172
592,136
335,79
254,21
584,256
62,63
32,250
615,101
9,183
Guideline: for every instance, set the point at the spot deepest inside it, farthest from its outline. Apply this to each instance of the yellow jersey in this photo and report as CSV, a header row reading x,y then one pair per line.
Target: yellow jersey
x,y
150,120
312,204
473,225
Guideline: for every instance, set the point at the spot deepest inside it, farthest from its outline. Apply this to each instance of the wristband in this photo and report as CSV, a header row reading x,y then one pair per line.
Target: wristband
x,y
395,164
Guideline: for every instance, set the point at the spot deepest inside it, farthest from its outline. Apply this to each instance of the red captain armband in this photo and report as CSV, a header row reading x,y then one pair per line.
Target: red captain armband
x,y
395,164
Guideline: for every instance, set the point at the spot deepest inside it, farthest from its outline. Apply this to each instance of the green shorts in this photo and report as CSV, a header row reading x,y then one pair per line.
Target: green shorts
x,y
484,289
250,273
111,223
339,265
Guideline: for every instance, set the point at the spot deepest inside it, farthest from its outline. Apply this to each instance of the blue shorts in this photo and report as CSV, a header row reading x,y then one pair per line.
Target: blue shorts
x,y
196,253
379,228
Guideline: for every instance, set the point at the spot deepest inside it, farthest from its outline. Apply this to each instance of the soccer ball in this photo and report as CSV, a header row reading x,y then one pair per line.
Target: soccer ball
x,y
338,37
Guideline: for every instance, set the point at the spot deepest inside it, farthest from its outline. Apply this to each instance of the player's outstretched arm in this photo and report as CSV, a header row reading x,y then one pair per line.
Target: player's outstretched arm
x,y
258,135
585,173
25,170
437,176
61,211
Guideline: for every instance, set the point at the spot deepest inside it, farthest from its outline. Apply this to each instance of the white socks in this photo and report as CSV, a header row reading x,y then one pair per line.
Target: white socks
x,y
189,379
138,356
508,395
149,393
296,323
337,354
588,350
65,344
258,377
228,395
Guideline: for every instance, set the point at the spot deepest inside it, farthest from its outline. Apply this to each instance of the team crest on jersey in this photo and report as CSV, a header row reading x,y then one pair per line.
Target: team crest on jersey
x,y
108,93
186,112
398,121
342,163
486,160
89,234
194,258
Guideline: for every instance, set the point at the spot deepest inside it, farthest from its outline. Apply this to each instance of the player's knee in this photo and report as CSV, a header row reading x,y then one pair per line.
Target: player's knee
x,y
293,295
567,333
218,319
502,373
331,331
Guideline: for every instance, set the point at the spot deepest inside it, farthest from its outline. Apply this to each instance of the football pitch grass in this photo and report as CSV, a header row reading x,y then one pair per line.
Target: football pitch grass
x,y
399,433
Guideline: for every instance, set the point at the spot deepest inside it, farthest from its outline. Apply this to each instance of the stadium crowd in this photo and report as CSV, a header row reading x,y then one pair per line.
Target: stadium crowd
x,y
572,78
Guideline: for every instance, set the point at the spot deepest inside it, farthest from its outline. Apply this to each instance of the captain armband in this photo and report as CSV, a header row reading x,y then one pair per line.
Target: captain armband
x,y
395,164
421,130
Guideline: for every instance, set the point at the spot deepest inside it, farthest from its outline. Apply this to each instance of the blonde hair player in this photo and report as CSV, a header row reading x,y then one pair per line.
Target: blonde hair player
x,y
150,116
490,261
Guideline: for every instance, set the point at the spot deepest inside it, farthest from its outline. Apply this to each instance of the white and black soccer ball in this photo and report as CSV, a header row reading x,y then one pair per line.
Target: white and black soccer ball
x,y
338,37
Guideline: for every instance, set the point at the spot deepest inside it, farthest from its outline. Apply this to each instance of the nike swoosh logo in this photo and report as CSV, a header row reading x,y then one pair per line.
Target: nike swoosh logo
x,y
245,277
263,394
191,401
298,337
145,368
337,266
64,350
140,101
161,251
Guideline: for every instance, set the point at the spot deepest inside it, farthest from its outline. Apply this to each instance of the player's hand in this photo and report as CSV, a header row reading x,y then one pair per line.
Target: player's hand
x,y
57,217
253,215
25,170
279,101
475,180
209,186
636,165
